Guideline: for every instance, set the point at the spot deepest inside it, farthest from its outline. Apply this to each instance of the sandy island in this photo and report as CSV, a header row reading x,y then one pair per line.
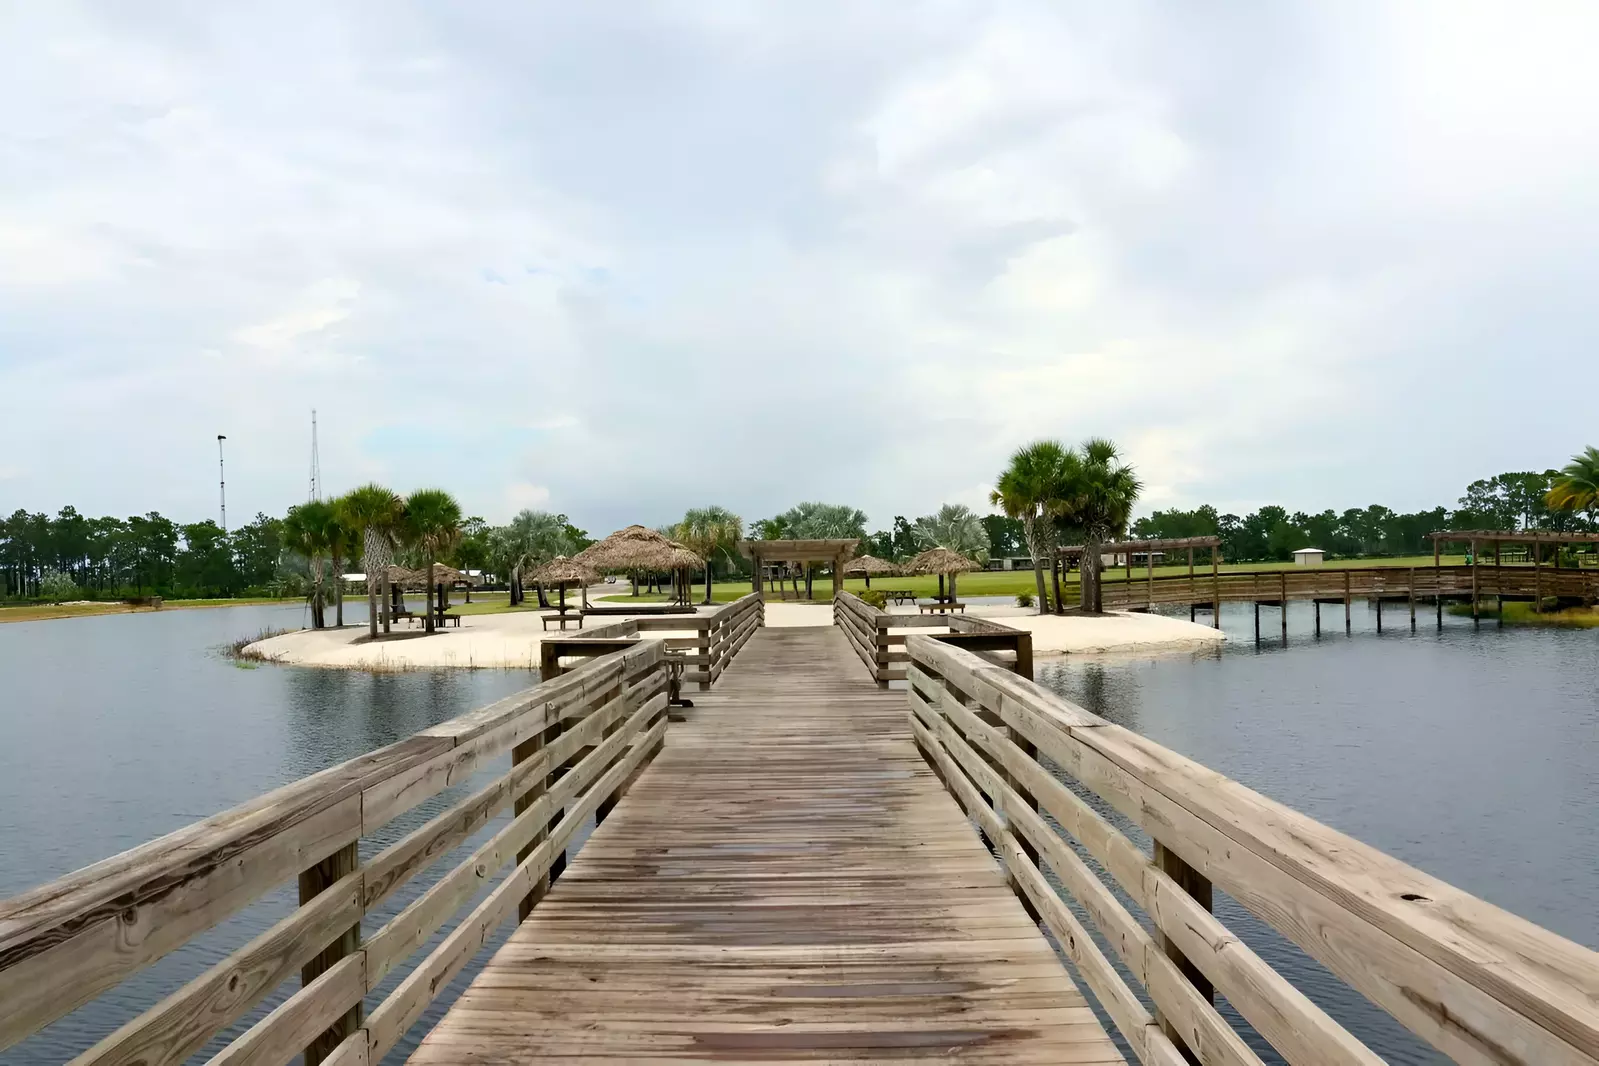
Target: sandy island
x,y
511,640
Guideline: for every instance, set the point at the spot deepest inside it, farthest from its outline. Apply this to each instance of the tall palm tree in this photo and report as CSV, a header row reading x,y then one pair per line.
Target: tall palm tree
x,y
308,530
1577,487
528,541
432,525
340,541
1099,493
707,531
1030,489
373,512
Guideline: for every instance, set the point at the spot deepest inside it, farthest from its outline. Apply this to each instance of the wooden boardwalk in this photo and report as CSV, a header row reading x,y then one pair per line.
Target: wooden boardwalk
x,y
787,880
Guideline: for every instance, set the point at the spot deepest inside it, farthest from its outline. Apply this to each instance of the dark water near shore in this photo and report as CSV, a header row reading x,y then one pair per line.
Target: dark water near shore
x,y
1473,754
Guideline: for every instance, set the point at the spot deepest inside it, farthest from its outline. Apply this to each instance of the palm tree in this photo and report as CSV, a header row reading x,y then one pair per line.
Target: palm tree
x,y
530,540
375,513
1577,487
432,525
707,531
308,530
1098,497
340,541
954,527
1030,489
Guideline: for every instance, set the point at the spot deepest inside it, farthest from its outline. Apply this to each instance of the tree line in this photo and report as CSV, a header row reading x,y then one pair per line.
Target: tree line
x,y
1551,501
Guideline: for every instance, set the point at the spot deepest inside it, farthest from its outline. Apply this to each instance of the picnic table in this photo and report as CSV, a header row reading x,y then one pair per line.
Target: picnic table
x,y
900,596
561,615
939,606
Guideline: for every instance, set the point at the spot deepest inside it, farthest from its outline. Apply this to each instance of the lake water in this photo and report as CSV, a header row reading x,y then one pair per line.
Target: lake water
x,y
1471,753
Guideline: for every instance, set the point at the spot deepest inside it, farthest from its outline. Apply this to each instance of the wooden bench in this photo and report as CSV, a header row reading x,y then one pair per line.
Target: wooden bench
x,y
899,596
642,608
440,618
562,617
939,606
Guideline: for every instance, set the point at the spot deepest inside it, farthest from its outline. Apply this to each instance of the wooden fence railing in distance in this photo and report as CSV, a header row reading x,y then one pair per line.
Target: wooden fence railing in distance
x,y
575,741
1478,983
871,633
1336,583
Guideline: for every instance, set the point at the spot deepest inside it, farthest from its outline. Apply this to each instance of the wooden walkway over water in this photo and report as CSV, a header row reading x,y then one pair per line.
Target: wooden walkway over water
x,y
788,879
803,866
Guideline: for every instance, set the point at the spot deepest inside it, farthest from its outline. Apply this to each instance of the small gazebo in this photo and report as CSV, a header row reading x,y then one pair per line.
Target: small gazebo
x,y
835,553
867,565
641,548
562,572
944,563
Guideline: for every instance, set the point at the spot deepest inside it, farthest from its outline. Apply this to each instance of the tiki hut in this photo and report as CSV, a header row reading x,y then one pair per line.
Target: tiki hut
x,y
867,565
944,563
638,548
561,572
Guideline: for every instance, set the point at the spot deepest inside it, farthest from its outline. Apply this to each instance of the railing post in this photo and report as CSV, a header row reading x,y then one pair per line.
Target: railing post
x,y
1197,886
313,882
707,630
524,751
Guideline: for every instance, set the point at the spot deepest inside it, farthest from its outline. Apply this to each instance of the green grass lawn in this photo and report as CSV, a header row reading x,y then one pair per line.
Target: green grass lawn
x,y
1003,582
39,612
1518,613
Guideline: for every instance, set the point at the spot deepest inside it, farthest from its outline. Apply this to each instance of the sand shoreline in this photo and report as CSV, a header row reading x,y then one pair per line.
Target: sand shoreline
x,y
511,641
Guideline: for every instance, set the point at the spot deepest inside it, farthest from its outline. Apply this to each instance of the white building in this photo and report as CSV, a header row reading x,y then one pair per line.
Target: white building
x,y
1309,557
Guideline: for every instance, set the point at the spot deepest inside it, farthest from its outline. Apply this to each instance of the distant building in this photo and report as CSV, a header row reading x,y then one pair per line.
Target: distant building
x,y
1010,562
1309,557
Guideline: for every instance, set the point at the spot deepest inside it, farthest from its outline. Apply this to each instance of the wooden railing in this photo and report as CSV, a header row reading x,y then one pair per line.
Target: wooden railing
x,y
1481,985
717,637
575,742
1336,583
871,633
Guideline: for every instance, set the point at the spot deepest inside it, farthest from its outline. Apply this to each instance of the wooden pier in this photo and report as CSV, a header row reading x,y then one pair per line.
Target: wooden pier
x,y
802,866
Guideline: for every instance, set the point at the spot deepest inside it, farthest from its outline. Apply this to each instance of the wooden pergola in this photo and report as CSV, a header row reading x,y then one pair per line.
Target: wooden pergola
x,y
834,553
1533,539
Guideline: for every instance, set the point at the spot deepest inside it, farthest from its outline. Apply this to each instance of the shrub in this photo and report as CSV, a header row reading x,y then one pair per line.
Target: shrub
x,y
56,587
875,597
1024,599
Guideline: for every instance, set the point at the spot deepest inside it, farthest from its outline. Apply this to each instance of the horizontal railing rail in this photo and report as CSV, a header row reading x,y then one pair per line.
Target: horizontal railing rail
x,y
1478,983
872,633
1337,583
717,636
575,742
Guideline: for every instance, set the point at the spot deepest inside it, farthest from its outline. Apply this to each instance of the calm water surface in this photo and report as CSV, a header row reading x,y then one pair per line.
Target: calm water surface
x,y
1473,754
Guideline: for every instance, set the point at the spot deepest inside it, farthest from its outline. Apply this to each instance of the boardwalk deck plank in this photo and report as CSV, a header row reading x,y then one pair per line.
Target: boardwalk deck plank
x,y
786,882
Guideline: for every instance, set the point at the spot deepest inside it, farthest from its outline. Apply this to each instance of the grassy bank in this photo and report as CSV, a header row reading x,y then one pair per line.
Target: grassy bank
x,y
38,612
1521,614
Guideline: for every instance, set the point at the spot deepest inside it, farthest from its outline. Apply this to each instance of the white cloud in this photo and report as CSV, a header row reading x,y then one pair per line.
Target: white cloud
x,y
495,251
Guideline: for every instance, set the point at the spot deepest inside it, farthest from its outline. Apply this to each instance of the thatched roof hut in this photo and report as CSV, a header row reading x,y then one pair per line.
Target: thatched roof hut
x,y
638,548
944,563
564,571
869,565
940,561
417,580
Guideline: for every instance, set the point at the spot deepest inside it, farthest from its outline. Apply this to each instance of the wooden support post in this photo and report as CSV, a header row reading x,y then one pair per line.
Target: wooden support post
x,y
1149,576
1476,612
1215,586
1379,612
1024,654
1282,603
1318,616
313,882
1257,621
1348,625
1537,578
1412,599
1197,886
521,753
703,651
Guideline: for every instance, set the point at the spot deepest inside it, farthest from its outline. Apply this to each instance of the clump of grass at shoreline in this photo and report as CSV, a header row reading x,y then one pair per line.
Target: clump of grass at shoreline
x,y
1521,614
242,651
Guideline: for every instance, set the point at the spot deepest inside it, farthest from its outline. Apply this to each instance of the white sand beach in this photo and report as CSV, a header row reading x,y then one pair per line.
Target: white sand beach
x,y
511,640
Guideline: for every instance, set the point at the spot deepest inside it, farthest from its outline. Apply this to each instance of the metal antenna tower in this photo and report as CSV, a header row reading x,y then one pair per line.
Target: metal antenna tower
x,y
316,462
222,482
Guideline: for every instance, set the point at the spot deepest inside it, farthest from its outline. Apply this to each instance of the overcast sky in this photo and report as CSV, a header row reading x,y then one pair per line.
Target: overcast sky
x,y
617,259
